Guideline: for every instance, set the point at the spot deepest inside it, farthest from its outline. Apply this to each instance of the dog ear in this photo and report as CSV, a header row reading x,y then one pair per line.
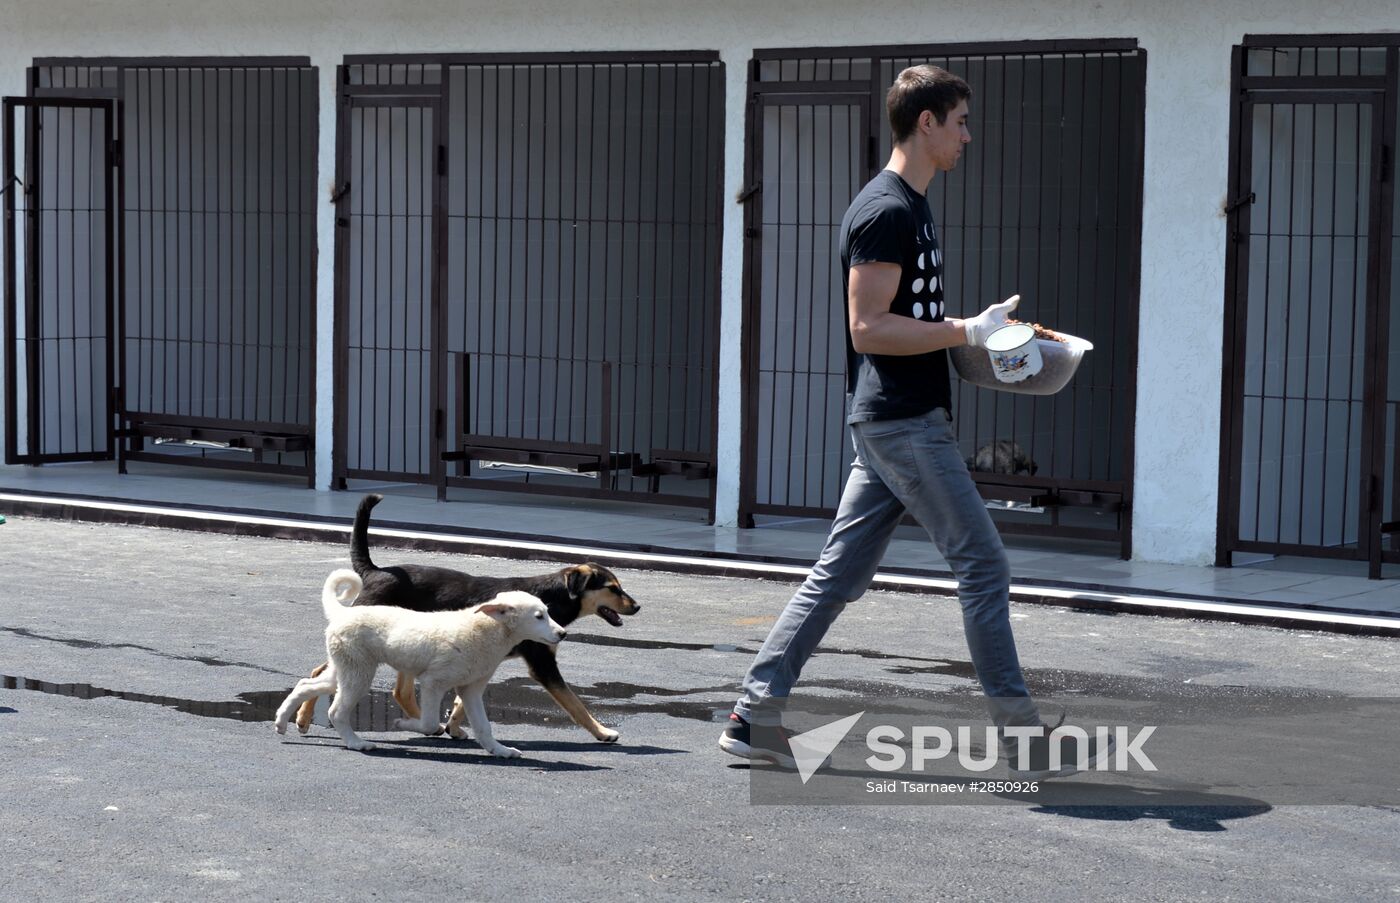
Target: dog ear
x,y
577,579
494,609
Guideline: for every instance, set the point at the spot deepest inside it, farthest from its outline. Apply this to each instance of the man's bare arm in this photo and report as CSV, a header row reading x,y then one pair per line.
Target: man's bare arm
x,y
874,330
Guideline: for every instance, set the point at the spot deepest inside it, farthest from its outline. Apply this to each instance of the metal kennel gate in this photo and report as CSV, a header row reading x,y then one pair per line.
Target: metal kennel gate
x,y
1309,463
197,297
537,308
1046,202
60,206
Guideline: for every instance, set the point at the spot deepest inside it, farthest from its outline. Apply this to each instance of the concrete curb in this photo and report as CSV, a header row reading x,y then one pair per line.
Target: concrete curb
x,y
388,534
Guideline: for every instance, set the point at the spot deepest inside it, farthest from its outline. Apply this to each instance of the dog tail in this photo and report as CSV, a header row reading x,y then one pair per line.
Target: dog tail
x,y
359,535
341,588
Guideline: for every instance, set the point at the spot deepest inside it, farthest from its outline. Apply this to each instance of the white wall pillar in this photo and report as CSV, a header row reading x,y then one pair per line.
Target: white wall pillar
x,y
731,376
325,270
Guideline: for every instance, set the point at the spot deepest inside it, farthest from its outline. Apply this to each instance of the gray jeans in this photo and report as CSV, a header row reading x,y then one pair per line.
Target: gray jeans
x,y
909,465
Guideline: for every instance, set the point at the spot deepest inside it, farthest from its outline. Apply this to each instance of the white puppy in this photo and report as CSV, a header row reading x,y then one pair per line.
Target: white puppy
x,y
444,650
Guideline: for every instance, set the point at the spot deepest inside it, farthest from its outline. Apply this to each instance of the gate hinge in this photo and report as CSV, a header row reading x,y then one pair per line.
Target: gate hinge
x,y
1237,203
746,193
752,232
442,159
438,420
340,192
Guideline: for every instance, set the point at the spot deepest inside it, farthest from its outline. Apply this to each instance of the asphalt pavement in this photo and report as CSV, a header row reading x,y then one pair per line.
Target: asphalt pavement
x,y
138,760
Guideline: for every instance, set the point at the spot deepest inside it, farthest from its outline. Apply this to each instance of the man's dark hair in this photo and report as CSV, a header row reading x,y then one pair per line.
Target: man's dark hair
x,y
920,88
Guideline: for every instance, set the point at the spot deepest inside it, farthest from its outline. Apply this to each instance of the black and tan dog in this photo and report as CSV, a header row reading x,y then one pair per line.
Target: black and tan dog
x,y
569,594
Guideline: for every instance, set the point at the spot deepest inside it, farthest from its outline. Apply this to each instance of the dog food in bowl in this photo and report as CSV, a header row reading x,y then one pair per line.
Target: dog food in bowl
x,y
1060,355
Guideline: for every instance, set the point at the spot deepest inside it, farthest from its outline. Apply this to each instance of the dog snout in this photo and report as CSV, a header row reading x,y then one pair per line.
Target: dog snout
x,y
561,633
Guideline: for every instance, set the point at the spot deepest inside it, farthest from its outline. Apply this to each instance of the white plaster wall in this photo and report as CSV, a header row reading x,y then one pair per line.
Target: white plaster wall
x,y
1188,47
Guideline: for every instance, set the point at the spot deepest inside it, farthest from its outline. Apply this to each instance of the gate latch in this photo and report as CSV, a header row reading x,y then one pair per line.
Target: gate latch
x,y
1237,203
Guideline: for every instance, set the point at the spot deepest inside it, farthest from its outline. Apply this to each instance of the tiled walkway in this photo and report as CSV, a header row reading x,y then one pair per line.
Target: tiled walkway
x,y
1039,567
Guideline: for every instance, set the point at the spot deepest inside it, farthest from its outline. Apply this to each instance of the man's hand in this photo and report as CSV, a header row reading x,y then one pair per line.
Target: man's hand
x,y
979,327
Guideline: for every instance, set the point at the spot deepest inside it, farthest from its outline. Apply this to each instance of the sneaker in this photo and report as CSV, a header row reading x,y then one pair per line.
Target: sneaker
x,y
1039,755
737,741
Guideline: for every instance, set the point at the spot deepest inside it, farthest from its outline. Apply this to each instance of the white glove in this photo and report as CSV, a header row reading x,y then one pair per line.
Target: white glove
x,y
984,324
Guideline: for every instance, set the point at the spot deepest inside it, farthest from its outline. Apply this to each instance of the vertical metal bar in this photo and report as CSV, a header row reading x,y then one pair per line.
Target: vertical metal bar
x,y
981,295
366,126
1086,227
71,118
437,346
529,263
489,343
1307,330
1356,292
777,306
606,425
644,403
366,137
510,218
1038,231
671,360
34,261
694,376
340,350
1130,327
12,187
178,299
649,301
1264,369
427,158
1385,292
579,251
1331,305
559,72
1287,319
610,441
818,359
550,301
111,135
262,310
1017,212
487,129
287,161
199,213
606,73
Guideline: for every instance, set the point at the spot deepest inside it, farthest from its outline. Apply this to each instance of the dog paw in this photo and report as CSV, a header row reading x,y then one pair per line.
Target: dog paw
x,y
607,736
360,746
279,727
505,752
456,733
302,729
406,724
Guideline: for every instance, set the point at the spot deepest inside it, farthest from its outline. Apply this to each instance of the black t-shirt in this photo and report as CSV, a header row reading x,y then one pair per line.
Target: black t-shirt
x,y
890,222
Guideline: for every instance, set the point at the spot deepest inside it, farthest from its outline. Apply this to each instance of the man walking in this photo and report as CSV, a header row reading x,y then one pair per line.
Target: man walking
x,y
899,403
